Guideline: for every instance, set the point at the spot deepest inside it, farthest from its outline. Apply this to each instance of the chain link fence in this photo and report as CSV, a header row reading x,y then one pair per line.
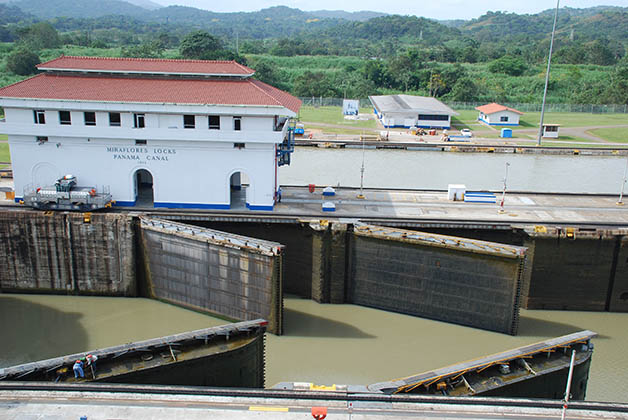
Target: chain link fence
x,y
588,108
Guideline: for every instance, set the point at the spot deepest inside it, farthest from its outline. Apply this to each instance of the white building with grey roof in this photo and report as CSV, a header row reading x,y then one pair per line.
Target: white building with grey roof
x,y
412,111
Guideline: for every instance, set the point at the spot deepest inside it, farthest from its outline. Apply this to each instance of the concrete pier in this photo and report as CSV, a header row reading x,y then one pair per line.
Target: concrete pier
x,y
174,403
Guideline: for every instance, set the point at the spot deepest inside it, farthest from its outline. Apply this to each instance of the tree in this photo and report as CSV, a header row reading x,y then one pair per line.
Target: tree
x,y
265,73
314,84
599,53
39,35
200,45
376,72
22,62
512,66
152,49
464,90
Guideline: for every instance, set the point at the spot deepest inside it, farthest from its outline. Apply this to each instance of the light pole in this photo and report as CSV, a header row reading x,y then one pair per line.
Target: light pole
x,y
361,195
623,183
568,390
549,62
501,204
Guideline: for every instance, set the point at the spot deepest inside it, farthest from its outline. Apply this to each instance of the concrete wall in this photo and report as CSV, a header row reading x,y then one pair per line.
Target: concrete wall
x,y
228,275
62,253
618,293
433,276
578,271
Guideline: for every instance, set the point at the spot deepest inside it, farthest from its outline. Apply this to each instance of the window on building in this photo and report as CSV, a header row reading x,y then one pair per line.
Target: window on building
x,y
214,122
433,117
503,118
65,118
551,128
40,116
140,142
139,120
42,139
90,118
239,145
114,119
237,123
188,121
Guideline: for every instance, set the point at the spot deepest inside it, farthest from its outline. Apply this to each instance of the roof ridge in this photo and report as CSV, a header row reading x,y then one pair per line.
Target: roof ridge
x,y
168,60
252,81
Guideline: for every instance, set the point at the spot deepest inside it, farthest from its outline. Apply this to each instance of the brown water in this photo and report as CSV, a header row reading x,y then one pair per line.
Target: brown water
x,y
435,170
324,344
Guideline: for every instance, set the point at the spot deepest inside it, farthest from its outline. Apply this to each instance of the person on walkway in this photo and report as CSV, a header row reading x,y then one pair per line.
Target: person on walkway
x,y
78,369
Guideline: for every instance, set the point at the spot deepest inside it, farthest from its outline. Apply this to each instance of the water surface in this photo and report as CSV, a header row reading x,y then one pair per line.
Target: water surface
x,y
323,343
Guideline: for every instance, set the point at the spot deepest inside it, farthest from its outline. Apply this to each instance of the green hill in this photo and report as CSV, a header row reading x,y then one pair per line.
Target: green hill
x,y
46,9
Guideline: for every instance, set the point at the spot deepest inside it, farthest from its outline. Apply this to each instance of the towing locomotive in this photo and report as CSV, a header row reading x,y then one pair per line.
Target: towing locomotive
x,y
66,195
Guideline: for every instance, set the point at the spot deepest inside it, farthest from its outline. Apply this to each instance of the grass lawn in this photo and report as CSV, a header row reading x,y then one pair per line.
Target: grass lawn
x,y
333,115
616,135
356,131
468,119
572,119
317,117
4,152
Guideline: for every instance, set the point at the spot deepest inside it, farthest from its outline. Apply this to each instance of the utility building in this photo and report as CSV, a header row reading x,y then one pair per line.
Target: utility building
x,y
496,114
411,111
168,133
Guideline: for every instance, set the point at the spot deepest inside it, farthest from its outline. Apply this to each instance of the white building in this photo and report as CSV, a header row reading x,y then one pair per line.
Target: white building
x,y
550,131
411,111
496,114
177,133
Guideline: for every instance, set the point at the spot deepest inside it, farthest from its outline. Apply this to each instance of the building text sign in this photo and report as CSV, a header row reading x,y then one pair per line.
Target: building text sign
x,y
142,154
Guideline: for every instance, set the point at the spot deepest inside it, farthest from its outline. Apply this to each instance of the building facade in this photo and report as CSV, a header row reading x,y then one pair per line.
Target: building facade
x,y
499,115
411,111
550,131
167,133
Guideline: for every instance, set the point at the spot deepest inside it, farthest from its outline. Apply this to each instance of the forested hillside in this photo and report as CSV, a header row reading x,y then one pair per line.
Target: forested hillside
x,y
496,57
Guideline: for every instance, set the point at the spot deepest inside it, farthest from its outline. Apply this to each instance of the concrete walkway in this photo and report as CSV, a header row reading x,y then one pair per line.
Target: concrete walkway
x,y
47,405
433,205
426,205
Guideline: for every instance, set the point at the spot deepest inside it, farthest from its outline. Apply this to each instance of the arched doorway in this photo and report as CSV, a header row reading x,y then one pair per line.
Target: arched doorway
x,y
238,186
144,195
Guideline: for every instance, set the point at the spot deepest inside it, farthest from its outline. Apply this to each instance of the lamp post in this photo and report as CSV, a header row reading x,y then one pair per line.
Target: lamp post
x,y
549,62
361,195
568,390
501,204
623,183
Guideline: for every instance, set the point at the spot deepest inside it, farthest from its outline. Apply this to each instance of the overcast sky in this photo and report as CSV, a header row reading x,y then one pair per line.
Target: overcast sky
x,y
439,9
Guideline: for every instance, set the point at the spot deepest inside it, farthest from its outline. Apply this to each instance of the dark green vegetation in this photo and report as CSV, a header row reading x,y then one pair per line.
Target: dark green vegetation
x,y
497,57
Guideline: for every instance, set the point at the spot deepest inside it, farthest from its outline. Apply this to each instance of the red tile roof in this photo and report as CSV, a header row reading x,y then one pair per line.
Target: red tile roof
x,y
150,90
492,108
146,65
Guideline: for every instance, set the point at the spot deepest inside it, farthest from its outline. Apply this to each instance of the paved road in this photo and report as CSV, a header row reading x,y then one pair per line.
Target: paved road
x,y
45,405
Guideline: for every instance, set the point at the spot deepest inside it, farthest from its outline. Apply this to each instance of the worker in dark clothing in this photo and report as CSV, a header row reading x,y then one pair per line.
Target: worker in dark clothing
x,y
78,369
